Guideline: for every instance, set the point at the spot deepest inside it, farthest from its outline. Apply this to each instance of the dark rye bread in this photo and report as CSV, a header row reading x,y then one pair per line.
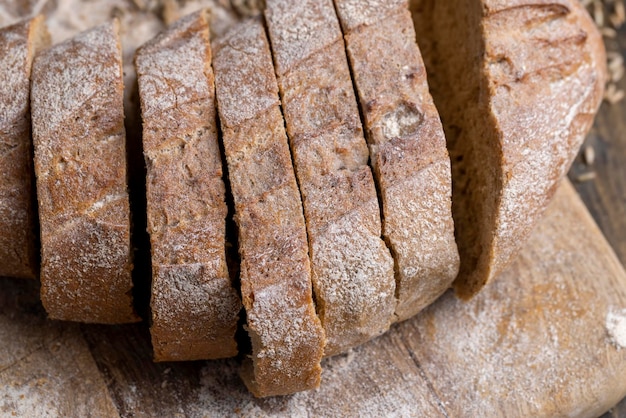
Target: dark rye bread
x,y
407,148
18,244
80,165
287,336
353,276
194,305
517,83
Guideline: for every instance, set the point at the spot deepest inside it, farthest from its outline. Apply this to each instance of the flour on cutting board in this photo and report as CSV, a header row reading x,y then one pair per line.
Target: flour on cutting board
x,y
616,327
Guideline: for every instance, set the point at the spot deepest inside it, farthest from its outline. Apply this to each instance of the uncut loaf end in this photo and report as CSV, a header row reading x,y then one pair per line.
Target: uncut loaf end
x,y
517,83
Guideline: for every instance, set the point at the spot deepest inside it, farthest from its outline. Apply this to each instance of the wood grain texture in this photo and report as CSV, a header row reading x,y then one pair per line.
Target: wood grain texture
x,y
46,368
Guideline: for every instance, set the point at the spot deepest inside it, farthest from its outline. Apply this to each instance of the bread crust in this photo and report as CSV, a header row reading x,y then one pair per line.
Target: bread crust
x,y
352,268
194,305
515,117
287,336
80,165
18,243
407,149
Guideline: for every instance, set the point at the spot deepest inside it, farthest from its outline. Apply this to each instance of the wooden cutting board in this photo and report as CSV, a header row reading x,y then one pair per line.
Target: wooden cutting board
x,y
547,338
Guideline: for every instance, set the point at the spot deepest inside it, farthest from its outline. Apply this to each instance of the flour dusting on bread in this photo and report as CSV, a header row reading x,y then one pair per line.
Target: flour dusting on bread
x,y
616,327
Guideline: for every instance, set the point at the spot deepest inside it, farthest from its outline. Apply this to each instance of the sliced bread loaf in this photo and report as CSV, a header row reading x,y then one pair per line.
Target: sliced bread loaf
x,y
407,148
194,305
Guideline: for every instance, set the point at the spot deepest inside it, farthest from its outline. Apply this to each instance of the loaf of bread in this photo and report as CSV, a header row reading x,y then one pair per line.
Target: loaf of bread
x,y
353,276
18,243
80,165
517,83
287,336
194,305
407,148
332,251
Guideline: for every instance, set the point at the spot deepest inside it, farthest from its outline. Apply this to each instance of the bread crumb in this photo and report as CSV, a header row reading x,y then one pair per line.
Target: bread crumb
x,y
616,328
589,155
586,177
612,94
608,32
619,14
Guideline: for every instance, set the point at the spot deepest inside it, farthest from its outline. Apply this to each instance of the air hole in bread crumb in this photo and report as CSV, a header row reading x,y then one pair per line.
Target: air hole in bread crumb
x,y
403,122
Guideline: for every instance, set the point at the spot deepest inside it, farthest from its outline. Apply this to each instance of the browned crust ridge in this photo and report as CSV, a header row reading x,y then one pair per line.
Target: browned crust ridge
x,y
517,83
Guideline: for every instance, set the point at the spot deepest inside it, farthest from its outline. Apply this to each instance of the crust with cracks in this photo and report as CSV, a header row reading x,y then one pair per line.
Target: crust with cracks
x,y
407,148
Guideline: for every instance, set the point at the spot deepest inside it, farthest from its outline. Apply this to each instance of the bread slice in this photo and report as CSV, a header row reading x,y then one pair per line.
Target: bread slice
x,y
353,275
287,336
80,165
18,217
517,83
407,148
194,305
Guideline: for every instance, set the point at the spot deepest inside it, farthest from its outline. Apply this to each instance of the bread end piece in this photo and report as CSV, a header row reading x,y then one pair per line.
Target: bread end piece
x,y
514,117
18,235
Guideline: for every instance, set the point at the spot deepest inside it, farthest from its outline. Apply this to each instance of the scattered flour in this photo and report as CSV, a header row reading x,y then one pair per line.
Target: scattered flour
x,y
616,327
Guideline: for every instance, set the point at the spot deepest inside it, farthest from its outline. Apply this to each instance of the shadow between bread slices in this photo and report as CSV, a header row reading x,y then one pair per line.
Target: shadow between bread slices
x,y
517,85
